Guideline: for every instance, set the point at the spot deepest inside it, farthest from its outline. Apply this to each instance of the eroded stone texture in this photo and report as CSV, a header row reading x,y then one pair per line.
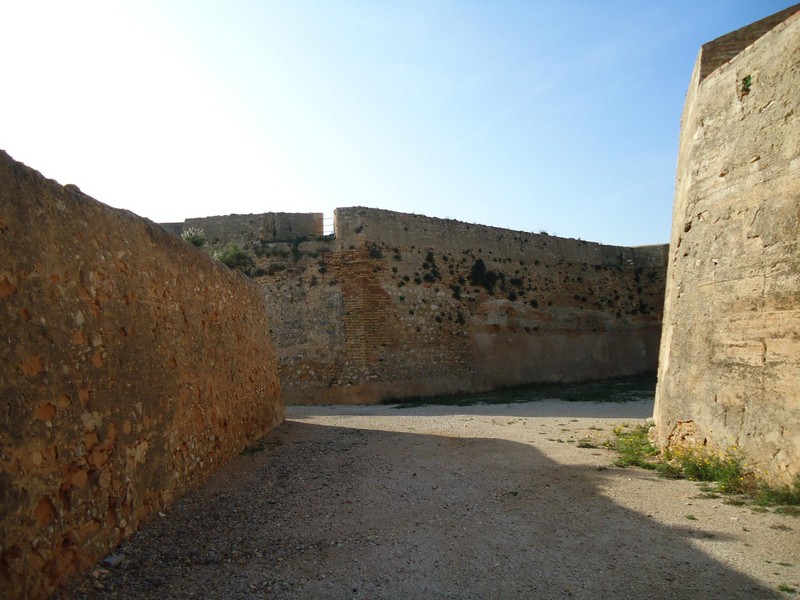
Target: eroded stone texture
x,y
730,356
131,366
401,306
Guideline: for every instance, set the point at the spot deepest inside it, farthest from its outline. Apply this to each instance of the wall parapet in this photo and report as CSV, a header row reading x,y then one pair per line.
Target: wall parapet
x,y
252,229
717,52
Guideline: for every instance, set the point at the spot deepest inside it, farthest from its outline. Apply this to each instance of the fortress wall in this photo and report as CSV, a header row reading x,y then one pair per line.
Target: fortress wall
x,y
132,366
249,230
716,53
730,356
358,225
390,309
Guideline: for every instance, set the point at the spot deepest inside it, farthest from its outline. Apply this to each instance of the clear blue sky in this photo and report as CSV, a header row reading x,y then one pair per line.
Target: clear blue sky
x,y
558,116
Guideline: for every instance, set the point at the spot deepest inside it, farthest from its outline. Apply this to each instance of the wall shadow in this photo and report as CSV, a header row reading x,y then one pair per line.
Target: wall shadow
x,y
331,512
640,409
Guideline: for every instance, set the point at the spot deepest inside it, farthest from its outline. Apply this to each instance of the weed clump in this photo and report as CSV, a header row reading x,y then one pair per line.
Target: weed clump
x,y
234,257
634,447
195,236
724,472
699,463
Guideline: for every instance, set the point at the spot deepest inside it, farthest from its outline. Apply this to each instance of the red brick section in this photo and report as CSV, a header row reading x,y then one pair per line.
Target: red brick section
x,y
721,50
366,307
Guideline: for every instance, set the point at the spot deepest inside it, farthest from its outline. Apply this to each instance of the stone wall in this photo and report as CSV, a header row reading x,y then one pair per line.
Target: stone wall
x,y
249,230
401,306
730,356
719,51
131,367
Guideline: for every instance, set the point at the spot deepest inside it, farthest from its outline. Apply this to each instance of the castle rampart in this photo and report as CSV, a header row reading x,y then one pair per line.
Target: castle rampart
x,y
244,230
400,306
131,367
729,373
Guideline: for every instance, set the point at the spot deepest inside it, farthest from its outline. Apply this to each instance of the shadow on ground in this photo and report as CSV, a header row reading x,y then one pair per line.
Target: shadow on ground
x,y
638,409
330,512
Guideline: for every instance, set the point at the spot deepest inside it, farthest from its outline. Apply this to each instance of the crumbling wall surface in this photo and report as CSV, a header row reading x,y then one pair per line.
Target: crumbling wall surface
x,y
403,306
729,372
131,367
250,231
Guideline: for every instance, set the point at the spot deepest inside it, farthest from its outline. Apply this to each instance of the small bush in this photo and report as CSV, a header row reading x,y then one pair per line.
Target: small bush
x,y
195,236
480,276
786,495
234,257
703,464
634,448
726,470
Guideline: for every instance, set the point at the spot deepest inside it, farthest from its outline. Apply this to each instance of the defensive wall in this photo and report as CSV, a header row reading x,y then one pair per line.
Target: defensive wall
x,y
131,367
730,357
402,306
244,230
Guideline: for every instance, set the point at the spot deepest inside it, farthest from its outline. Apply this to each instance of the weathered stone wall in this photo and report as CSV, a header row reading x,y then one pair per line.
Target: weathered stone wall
x,y
730,355
719,51
247,231
131,367
397,306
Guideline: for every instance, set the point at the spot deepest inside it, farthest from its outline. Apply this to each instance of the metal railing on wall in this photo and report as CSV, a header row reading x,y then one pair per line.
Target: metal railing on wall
x,y
327,226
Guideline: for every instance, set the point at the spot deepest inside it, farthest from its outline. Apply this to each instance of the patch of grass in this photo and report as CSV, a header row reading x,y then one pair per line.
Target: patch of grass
x,y
710,495
701,464
727,470
724,472
587,443
792,511
786,588
691,517
786,495
734,501
634,447
233,256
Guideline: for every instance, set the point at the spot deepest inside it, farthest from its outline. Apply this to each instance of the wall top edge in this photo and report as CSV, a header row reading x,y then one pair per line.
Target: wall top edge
x,y
724,49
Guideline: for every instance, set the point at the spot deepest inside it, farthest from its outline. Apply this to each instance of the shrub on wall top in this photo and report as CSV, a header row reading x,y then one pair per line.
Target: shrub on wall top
x,y
195,236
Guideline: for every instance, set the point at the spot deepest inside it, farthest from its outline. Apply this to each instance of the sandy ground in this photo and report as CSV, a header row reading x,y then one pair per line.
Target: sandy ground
x,y
450,502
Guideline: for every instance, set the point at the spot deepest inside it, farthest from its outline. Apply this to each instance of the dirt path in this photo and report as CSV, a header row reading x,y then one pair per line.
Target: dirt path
x,y
450,502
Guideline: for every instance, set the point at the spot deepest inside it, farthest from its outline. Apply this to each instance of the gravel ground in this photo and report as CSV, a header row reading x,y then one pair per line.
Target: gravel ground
x,y
450,502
